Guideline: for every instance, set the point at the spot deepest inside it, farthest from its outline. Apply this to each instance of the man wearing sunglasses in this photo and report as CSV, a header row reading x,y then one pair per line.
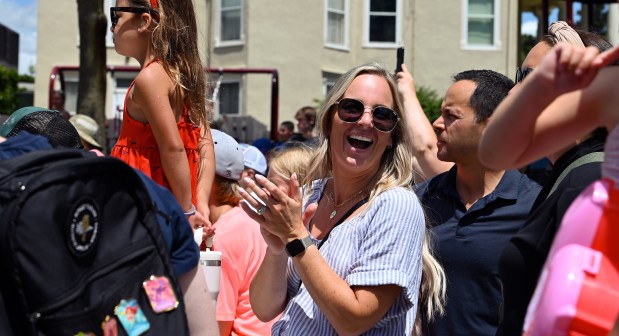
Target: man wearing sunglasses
x,y
473,210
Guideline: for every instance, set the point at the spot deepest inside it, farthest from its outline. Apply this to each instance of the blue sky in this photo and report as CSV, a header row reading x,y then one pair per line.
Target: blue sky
x,y
21,16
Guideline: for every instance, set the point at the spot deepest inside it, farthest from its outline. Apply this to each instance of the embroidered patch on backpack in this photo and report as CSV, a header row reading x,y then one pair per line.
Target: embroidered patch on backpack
x,y
84,226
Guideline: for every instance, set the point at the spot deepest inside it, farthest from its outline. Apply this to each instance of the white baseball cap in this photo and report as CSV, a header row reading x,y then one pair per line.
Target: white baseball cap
x,y
254,159
228,156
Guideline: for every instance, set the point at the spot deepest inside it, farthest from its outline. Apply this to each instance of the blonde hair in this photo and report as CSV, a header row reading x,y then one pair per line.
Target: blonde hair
x,y
560,31
396,167
175,43
433,288
396,170
294,159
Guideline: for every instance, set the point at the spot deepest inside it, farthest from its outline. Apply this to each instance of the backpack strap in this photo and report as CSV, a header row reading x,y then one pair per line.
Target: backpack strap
x,y
40,157
588,158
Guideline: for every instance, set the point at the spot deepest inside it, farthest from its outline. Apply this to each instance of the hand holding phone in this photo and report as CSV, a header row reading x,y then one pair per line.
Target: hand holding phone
x,y
399,59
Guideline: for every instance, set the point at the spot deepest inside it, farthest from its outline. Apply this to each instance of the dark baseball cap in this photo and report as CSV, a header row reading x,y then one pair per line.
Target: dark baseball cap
x,y
40,121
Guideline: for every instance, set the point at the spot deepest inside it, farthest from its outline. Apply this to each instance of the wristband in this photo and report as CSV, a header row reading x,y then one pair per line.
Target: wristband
x,y
191,212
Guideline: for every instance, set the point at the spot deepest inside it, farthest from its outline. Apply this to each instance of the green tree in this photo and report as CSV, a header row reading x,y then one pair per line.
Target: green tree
x,y
527,42
26,79
430,101
8,90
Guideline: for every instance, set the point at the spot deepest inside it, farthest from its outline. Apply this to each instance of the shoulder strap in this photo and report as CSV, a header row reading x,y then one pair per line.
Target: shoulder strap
x,y
152,61
39,158
588,158
342,219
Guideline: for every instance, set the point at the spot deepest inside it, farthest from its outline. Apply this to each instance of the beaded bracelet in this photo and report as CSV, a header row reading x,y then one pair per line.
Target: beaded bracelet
x,y
191,212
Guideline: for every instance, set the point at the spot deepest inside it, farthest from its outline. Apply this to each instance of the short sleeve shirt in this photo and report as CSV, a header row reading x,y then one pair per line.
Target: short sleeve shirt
x,y
381,246
242,249
469,243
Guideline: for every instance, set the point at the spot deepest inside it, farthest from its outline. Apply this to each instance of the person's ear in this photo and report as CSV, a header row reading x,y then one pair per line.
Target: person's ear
x,y
146,20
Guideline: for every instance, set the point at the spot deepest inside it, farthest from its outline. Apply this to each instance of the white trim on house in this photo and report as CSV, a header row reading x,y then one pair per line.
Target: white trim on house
x,y
366,27
228,43
328,80
496,45
231,79
346,12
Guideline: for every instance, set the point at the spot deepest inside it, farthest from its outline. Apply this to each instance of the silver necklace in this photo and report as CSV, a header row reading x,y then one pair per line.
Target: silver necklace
x,y
331,199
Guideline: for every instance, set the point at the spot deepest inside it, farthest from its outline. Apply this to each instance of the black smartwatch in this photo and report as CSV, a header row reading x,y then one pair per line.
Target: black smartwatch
x,y
298,246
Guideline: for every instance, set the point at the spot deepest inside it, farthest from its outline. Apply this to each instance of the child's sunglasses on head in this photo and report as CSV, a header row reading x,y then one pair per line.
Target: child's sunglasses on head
x,y
135,10
351,110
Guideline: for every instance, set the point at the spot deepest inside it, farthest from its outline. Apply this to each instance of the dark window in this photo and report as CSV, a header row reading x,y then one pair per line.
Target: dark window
x,y
382,29
382,5
229,98
382,21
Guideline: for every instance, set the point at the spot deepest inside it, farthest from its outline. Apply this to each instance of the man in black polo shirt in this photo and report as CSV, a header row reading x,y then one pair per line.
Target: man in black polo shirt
x,y
473,210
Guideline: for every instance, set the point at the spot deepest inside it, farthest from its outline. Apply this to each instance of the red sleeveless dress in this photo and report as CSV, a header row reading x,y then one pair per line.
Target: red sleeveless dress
x,y
138,147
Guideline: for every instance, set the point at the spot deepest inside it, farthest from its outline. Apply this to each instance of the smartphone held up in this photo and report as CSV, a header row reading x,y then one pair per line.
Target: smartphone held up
x,y
399,59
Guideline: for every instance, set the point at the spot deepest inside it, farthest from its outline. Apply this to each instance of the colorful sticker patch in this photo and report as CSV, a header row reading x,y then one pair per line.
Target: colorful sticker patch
x,y
131,317
160,294
109,326
88,333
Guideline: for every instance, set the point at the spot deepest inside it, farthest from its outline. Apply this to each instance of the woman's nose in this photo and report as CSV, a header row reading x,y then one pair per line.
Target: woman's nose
x,y
366,118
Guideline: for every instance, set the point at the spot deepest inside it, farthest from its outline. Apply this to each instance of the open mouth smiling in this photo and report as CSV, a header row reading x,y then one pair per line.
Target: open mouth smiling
x,y
359,142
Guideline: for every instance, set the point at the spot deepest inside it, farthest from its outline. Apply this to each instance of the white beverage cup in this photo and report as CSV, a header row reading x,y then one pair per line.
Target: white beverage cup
x,y
197,236
211,264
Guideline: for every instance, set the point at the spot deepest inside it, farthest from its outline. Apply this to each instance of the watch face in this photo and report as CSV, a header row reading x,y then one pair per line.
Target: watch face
x,y
298,246
295,247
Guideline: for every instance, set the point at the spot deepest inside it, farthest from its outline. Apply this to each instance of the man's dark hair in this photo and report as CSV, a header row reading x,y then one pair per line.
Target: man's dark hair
x,y
289,125
492,88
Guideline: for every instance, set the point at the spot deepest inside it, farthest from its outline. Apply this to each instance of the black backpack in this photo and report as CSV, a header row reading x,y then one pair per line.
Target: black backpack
x,y
78,234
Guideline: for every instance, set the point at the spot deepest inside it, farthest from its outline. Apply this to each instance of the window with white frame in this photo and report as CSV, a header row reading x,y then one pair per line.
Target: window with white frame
x,y
230,21
481,23
328,81
70,93
382,26
228,100
336,18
